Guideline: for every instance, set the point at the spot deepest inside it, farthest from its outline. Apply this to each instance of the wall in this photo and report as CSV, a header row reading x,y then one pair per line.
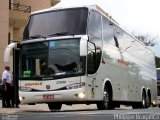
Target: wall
x,y
16,33
35,4
4,28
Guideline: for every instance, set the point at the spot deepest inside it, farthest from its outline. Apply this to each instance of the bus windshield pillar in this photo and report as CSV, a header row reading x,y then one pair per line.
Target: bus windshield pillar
x,y
16,75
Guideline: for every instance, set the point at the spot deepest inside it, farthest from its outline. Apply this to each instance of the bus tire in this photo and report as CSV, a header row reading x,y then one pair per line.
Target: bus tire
x,y
148,99
54,106
144,100
106,104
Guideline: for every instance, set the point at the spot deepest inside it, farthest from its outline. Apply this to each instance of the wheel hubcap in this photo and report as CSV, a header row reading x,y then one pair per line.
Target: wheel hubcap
x,y
106,98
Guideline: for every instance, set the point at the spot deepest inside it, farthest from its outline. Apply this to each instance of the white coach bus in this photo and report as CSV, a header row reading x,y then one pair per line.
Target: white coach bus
x,y
80,55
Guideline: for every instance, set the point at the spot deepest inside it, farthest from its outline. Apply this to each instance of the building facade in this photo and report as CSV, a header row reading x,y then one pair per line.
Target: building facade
x,y
14,15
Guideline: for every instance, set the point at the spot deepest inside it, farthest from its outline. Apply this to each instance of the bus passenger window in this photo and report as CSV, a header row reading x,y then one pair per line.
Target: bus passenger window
x,y
116,42
95,46
95,26
108,31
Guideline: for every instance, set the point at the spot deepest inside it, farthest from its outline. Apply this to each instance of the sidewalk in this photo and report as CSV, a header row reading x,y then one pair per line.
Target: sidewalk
x,y
42,107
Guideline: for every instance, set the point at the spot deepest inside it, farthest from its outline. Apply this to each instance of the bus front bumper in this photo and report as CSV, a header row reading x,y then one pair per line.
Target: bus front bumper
x,y
53,96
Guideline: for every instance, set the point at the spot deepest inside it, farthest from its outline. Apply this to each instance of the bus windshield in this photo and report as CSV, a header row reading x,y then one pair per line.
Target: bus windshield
x,y
73,21
56,58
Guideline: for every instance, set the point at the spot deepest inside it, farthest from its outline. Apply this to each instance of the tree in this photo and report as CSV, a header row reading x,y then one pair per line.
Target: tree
x,y
147,39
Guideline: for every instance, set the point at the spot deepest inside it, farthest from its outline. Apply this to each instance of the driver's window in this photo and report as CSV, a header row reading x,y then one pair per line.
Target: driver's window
x,y
91,58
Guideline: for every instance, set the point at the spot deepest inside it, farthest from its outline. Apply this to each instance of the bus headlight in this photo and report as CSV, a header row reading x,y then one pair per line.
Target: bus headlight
x,y
154,102
81,95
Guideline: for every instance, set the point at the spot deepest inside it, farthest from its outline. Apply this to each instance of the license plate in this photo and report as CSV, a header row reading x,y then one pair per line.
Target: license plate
x,y
48,96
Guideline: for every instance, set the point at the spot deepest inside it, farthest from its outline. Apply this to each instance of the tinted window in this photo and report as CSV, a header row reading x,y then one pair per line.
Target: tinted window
x,y
70,20
158,74
95,33
108,31
95,26
118,33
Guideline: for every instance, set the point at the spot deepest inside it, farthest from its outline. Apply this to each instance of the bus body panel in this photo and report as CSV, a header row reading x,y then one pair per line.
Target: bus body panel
x,y
54,96
66,89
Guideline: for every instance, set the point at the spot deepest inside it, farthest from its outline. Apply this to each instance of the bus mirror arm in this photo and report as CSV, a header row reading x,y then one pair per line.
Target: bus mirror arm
x,y
8,50
95,53
93,45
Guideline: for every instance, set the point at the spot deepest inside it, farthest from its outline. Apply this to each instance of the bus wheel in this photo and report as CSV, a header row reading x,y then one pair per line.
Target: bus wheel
x,y
106,103
54,106
144,100
148,99
142,104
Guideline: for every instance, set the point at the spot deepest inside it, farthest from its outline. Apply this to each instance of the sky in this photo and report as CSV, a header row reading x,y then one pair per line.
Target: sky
x,y
139,16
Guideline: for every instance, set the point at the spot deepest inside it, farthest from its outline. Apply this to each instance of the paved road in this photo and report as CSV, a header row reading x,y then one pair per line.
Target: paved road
x,y
77,112
43,108
119,114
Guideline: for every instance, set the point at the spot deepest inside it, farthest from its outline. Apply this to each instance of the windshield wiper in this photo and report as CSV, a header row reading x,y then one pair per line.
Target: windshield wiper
x,y
36,36
61,34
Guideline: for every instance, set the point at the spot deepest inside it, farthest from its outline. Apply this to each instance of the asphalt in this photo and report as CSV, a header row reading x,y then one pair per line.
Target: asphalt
x,y
42,107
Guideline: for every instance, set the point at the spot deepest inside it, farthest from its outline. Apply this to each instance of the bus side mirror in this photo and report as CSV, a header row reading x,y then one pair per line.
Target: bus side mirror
x,y
83,45
8,50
